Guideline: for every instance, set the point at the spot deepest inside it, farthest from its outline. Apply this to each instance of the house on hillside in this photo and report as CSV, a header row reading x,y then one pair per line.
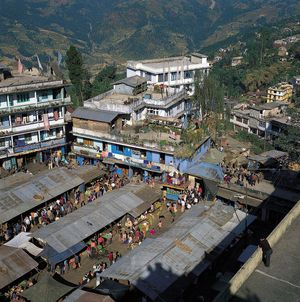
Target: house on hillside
x,y
175,72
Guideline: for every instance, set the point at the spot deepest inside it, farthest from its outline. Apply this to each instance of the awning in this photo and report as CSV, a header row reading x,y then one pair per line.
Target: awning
x,y
54,257
14,263
22,241
48,289
80,295
113,288
238,197
211,186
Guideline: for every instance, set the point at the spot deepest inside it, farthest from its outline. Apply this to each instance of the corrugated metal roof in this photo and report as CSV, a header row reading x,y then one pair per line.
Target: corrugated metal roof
x,y
80,295
206,170
133,81
156,264
88,173
14,263
22,241
48,185
87,220
95,114
48,289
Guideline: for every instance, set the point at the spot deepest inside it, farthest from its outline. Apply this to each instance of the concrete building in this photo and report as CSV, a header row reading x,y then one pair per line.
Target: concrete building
x,y
236,61
106,136
133,96
32,125
259,120
177,72
281,92
296,84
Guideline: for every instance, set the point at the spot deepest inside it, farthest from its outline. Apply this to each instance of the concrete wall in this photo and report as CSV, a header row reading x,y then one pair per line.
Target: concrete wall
x,y
123,89
247,269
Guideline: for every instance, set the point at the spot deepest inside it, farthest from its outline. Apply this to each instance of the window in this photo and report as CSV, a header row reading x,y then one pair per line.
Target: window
x,y
152,111
173,76
160,77
87,142
148,76
43,96
187,74
28,138
120,148
239,119
23,97
2,142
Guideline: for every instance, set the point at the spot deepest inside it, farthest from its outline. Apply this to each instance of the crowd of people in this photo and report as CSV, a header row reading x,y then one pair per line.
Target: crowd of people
x,y
64,205
241,176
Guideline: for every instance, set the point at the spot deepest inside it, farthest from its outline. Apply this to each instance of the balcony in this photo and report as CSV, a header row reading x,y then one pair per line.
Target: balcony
x,y
132,139
19,128
41,145
35,106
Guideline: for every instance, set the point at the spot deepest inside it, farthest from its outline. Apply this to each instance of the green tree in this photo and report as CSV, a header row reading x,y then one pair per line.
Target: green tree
x,y
209,95
78,75
104,79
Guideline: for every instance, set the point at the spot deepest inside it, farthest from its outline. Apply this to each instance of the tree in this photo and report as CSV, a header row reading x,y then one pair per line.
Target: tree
x,y
209,95
78,75
104,79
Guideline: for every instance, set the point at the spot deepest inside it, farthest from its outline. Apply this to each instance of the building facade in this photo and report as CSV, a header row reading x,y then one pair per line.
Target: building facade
x,y
102,135
260,120
282,92
32,125
177,72
133,96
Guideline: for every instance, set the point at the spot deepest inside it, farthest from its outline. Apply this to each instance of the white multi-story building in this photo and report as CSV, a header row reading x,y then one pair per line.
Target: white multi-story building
x,y
32,124
177,72
133,96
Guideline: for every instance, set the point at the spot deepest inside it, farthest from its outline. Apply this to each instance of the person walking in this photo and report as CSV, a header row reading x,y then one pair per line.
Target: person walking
x,y
266,250
111,257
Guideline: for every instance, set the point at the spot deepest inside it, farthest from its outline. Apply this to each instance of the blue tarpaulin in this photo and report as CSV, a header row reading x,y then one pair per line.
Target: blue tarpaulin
x,y
53,257
207,171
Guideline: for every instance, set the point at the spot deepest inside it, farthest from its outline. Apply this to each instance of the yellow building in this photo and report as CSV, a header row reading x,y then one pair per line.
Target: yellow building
x,y
280,92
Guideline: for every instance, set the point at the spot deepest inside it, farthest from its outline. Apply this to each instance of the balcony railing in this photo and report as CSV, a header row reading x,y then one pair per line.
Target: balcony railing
x,y
39,145
35,106
131,139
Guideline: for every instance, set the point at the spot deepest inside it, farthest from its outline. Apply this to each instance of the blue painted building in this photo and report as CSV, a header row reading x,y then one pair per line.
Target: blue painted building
x,y
98,137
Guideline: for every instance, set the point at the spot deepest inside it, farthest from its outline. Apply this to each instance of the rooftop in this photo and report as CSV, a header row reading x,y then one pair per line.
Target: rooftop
x,y
14,263
281,86
133,81
280,281
69,231
115,101
28,82
27,192
268,106
158,65
198,237
95,114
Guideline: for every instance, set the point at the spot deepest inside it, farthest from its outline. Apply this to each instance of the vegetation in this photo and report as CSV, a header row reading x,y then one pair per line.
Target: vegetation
x,y
106,31
78,75
257,145
104,79
261,66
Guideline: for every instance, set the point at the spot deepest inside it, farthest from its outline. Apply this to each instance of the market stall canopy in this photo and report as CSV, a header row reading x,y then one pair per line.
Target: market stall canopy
x,y
113,288
14,263
48,289
70,230
189,247
36,191
22,241
81,295
206,171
